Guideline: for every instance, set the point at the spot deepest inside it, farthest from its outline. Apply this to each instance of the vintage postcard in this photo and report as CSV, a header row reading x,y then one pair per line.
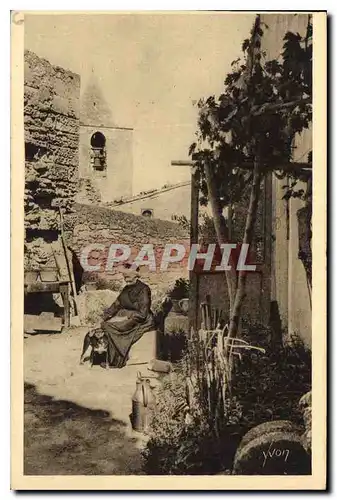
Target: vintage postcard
x,y
168,250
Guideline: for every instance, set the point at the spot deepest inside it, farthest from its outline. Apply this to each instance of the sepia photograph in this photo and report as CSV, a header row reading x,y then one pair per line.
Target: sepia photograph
x,y
167,249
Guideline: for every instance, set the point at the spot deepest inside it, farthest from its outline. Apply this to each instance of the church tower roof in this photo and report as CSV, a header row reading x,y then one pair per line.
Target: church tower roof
x,y
94,108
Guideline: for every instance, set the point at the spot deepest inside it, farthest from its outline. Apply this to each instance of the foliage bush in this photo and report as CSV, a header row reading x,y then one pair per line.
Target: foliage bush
x,y
179,290
158,295
181,439
264,387
206,230
269,386
106,284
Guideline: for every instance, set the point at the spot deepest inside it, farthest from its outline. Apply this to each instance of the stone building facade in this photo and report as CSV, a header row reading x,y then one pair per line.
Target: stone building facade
x,y
106,150
289,287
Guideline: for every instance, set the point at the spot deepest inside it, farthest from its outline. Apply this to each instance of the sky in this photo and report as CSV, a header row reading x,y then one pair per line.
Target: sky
x,y
151,69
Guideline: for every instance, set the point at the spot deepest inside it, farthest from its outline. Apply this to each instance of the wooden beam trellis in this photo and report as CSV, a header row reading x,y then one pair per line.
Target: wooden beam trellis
x,y
300,168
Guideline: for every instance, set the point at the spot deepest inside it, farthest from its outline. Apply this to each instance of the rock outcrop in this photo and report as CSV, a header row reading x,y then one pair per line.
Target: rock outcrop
x,y
51,126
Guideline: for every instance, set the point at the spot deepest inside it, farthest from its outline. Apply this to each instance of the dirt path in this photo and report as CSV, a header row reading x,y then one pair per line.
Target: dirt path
x,y
77,417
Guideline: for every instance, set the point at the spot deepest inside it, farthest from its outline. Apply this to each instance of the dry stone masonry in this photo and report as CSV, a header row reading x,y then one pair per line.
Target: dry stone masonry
x,y
51,122
95,224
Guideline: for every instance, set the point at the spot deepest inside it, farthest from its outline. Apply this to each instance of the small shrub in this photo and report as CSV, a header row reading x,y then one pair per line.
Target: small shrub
x,y
179,290
181,438
158,295
105,284
194,427
206,228
269,386
264,387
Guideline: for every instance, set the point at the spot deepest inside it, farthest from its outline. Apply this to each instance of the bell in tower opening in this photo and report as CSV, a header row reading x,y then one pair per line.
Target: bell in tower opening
x,y
106,148
98,151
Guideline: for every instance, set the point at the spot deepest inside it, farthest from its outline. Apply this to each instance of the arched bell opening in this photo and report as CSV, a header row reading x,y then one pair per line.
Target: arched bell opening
x,y
98,151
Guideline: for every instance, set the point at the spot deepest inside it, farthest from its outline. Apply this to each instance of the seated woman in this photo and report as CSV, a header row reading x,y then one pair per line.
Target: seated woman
x,y
126,320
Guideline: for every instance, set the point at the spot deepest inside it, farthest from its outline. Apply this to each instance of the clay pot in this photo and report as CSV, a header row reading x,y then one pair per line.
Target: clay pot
x,y
184,304
176,306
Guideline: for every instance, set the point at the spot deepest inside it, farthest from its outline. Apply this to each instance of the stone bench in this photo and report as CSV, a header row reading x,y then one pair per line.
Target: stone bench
x,y
144,350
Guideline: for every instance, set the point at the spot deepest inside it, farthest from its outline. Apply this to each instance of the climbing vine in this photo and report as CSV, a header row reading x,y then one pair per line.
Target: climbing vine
x,y
250,129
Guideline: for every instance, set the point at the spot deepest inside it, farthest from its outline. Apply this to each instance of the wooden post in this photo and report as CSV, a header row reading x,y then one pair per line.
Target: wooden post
x,y
193,277
194,281
230,222
64,290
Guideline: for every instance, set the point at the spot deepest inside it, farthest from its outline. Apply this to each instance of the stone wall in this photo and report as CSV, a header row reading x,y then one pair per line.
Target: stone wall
x,y
51,126
89,224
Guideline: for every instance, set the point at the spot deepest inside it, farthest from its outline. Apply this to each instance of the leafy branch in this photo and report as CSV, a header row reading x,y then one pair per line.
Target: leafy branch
x,y
265,104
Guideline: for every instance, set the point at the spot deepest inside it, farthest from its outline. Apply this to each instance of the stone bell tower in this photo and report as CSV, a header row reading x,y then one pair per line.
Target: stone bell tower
x,y
105,160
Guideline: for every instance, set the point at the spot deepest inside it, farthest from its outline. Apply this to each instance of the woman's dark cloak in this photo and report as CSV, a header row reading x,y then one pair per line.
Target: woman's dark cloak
x,y
134,302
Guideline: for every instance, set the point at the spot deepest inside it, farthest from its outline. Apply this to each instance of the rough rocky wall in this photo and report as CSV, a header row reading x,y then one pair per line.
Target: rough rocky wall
x,y
87,192
51,124
89,224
